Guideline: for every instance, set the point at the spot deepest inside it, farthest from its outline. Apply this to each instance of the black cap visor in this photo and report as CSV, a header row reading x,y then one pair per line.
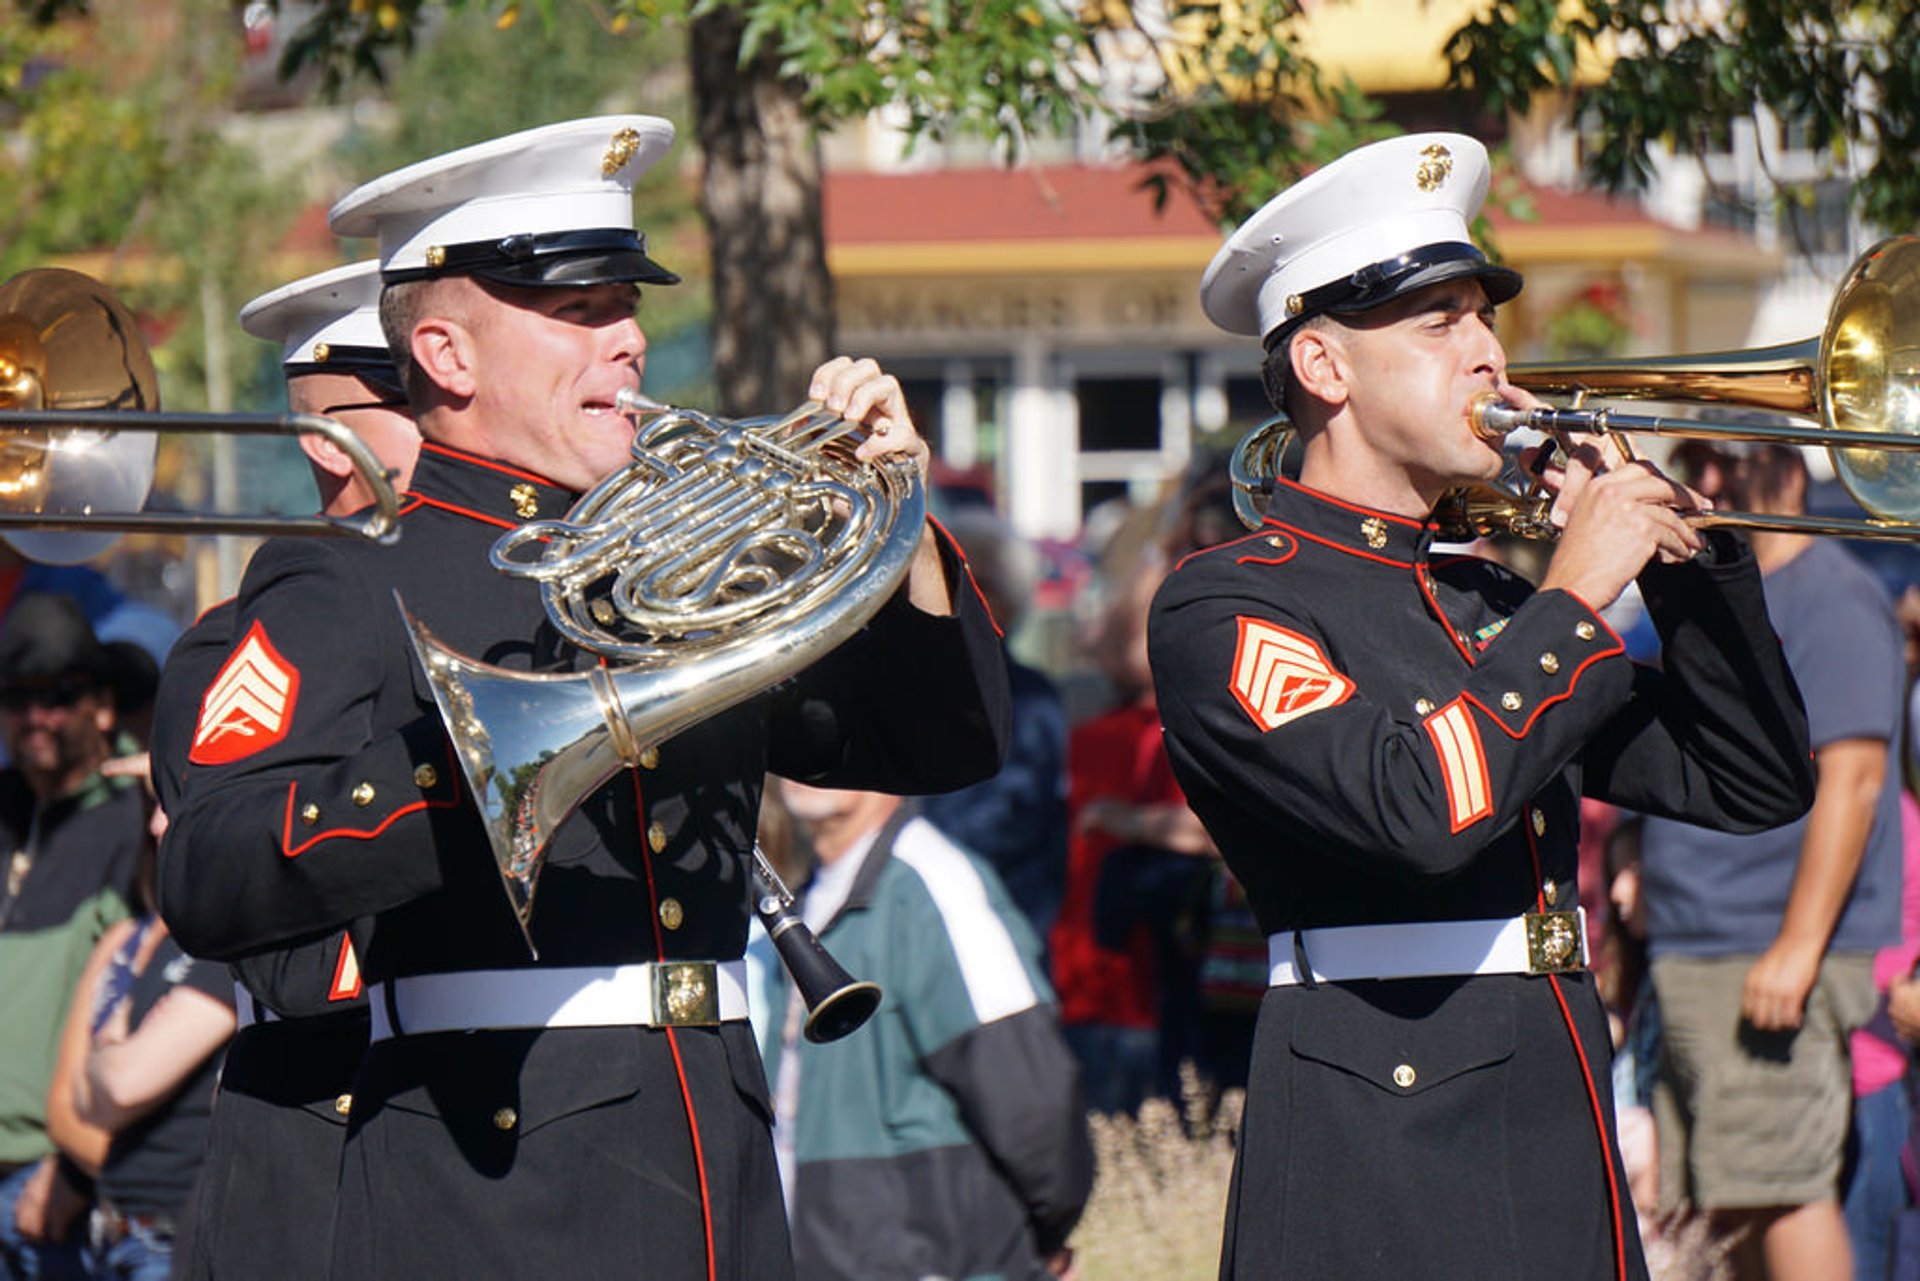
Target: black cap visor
x,y
557,259
1382,282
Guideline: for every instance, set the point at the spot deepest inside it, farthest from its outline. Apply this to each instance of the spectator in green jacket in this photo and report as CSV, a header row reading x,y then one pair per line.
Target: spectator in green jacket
x,y
947,1137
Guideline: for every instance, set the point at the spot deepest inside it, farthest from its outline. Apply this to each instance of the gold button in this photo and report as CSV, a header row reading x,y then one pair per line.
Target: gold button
x,y
344,1104
1539,821
1550,892
1421,706
649,758
310,814
363,794
656,838
1583,630
1403,1076
525,499
425,776
671,913
1511,701
1549,663
505,1119
320,353
436,255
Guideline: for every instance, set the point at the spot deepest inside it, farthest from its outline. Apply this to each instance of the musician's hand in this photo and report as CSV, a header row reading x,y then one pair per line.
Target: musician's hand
x,y
858,391
1617,521
861,393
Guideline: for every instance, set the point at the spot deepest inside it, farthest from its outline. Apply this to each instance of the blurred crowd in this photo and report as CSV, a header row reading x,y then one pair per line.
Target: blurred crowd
x,y
1762,1082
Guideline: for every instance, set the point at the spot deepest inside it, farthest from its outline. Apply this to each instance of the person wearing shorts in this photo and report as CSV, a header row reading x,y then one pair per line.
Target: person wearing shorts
x,y
1763,944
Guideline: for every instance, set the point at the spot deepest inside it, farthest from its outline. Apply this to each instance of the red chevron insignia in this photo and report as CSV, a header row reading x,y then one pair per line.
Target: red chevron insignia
x,y
1280,676
249,705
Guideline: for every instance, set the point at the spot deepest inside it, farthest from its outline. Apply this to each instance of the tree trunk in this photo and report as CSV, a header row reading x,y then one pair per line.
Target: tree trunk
x,y
760,195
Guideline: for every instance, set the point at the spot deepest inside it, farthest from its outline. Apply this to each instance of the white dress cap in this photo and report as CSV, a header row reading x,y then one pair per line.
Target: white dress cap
x,y
328,321
1380,221
546,206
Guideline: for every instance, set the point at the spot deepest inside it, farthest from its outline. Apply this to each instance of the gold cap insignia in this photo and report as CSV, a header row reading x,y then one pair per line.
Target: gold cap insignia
x,y
525,499
1436,166
320,353
619,151
1294,304
436,255
1374,530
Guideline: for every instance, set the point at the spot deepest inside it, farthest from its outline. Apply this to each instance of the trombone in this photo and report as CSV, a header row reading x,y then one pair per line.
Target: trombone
x,y
79,425
1853,389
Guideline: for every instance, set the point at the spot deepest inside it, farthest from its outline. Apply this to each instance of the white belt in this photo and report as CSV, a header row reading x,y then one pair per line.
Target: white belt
x,y
1537,943
648,994
247,1011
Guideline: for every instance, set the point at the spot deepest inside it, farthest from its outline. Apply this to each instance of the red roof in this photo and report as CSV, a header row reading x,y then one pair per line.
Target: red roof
x,y
1068,202
1082,202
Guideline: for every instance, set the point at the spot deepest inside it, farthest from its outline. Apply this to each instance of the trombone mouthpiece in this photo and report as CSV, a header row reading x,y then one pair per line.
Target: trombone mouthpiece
x,y
1492,418
628,401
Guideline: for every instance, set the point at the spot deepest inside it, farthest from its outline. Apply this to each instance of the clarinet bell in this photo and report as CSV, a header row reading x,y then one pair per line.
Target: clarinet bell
x,y
837,1003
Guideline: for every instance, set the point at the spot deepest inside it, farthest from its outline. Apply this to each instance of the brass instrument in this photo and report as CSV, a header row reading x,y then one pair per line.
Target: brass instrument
x,y
725,558
79,428
1854,389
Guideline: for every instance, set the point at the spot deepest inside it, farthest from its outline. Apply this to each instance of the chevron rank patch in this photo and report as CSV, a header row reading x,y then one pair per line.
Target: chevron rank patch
x,y
1279,676
249,705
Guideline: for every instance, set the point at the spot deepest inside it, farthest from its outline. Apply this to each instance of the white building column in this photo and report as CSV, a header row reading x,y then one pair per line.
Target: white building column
x,y
1041,477
959,418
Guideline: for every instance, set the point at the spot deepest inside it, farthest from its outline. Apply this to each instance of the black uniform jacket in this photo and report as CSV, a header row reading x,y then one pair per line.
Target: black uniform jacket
x,y
1373,734
323,792
266,1188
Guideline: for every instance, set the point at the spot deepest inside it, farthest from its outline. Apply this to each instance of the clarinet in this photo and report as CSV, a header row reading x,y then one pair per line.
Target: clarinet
x,y
836,1002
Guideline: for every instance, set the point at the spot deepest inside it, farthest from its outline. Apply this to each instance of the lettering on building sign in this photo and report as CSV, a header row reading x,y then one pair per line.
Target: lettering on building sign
x,y
964,313
1140,309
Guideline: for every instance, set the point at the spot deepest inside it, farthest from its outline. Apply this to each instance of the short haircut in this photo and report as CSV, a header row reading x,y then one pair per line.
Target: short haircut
x,y
1276,371
401,307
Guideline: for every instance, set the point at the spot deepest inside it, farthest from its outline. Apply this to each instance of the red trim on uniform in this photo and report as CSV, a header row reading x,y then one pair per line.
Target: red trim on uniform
x,y
202,616
413,502
1586,1074
1453,633
1408,521
1219,547
967,567
468,512
1341,547
505,469
1545,703
673,1041
1605,626
290,850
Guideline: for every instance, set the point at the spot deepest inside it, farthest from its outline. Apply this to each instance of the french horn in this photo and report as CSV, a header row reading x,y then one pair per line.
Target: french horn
x,y
725,558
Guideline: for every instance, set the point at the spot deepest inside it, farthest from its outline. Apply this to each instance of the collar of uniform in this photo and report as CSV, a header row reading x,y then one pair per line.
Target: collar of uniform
x,y
485,489
1348,527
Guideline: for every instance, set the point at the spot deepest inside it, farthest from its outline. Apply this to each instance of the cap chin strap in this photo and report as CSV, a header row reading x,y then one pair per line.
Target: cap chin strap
x,y
542,258
1372,284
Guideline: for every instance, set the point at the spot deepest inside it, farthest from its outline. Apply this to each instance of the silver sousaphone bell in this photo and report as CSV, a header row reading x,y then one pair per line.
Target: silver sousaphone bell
x,y
727,557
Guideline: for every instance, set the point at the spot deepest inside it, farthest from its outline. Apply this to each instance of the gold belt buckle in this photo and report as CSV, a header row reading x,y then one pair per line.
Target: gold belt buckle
x,y
1553,942
686,994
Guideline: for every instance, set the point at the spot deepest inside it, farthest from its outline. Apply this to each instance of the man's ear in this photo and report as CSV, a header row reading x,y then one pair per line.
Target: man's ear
x,y
1320,366
326,455
443,352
